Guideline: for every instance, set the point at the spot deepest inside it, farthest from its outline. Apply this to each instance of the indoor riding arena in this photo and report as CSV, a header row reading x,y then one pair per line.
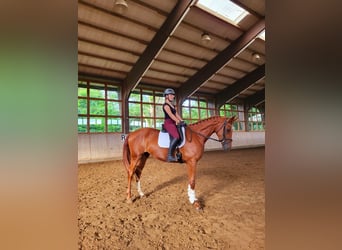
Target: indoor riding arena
x,y
229,184
206,61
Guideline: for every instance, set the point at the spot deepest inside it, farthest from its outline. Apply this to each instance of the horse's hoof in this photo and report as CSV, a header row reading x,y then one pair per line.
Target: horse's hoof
x,y
129,201
198,206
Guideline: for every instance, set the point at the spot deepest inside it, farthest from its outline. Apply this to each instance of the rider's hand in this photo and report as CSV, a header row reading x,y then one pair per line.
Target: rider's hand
x,y
182,123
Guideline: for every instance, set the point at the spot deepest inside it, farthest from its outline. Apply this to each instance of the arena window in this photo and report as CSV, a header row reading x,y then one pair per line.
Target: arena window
x,y
145,109
229,110
255,120
99,108
197,108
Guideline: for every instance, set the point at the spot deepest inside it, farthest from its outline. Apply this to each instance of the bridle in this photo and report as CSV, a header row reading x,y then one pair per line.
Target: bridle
x,y
224,141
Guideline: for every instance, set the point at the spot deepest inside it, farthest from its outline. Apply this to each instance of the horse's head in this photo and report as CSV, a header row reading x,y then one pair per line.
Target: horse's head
x,y
225,132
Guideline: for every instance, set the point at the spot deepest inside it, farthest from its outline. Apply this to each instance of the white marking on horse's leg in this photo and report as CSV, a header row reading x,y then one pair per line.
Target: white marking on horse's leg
x,y
139,189
191,194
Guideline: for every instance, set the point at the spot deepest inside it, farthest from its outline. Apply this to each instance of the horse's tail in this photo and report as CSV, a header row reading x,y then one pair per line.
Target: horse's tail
x,y
126,155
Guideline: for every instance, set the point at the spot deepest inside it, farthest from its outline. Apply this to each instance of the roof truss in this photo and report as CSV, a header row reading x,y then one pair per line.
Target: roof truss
x,y
155,46
204,74
230,92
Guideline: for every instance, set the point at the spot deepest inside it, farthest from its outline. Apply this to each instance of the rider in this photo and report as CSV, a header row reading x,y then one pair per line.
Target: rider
x,y
172,118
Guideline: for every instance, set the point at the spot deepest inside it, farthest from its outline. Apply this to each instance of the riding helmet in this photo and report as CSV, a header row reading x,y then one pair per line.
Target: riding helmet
x,y
169,91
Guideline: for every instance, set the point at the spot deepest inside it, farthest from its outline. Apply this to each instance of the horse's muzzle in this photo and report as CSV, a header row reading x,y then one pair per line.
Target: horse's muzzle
x,y
226,145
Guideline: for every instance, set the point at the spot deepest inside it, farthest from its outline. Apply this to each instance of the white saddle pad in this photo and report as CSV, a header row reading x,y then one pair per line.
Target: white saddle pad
x,y
164,139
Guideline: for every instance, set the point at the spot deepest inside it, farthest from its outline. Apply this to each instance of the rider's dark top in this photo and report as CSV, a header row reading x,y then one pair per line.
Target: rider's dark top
x,y
173,111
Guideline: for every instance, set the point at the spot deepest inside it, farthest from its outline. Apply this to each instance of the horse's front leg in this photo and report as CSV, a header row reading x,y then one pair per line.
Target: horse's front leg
x,y
191,186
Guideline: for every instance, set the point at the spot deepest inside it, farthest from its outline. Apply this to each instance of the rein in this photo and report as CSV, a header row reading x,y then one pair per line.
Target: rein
x,y
224,139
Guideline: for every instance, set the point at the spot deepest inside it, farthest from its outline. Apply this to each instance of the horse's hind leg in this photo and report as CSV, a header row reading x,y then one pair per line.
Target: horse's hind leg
x,y
138,172
135,167
130,173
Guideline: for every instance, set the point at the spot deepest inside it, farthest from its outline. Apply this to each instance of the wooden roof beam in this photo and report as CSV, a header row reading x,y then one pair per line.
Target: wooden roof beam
x,y
240,85
256,99
155,46
221,59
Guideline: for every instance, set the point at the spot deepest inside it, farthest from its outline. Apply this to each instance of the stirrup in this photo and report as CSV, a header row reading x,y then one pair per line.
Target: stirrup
x,y
171,158
179,157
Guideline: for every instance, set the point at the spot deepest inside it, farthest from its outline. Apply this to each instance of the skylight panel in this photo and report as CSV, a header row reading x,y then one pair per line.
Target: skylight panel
x,y
223,9
262,35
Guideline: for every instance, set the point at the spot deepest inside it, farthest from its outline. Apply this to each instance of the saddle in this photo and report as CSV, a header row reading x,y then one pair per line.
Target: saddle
x,y
164,138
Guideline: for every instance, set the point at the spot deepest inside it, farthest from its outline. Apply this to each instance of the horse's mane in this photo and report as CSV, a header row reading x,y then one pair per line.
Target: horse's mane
x,y
205,120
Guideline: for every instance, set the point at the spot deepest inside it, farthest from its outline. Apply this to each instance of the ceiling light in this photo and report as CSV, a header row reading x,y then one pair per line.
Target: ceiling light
x,y
205,38
256,56
120,6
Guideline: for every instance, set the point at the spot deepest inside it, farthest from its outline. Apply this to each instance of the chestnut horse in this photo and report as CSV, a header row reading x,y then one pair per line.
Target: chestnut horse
x,y
142,143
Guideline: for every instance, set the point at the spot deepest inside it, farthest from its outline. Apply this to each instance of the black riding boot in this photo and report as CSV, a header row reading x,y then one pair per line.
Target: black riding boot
x,y
179,154
173,145
179,129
